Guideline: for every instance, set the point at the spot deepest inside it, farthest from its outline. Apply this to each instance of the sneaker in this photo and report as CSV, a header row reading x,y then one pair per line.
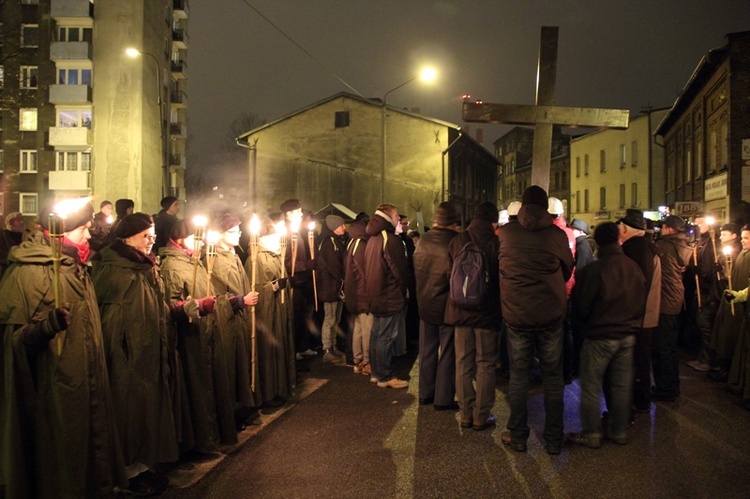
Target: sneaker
x,y
393,383
358,368
308,353
366,369
507,439
373,379
329,356
699,366
338,353
298,356
578,439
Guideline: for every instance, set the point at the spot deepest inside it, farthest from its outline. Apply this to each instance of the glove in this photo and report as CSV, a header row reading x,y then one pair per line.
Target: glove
x,y
312,264
733,296
191,308
251,299
206,305
297,281
279,284
237,302
58,319
36,336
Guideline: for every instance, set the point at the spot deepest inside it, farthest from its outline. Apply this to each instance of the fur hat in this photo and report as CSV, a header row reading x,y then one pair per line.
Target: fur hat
x,y
446,215
606,233
333,222
487,211
535,195
78,218
133,224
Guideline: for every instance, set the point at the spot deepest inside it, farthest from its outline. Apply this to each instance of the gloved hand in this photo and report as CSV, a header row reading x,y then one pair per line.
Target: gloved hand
x,y
297,281
733,296
191,308
58,319
237,302
251,299
279,284
206,305
36,336
312,264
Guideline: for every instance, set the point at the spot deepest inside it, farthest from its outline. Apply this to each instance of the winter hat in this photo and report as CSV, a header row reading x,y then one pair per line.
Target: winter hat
x,y
579,224
290,205
133,224
487,211
606,233
12,217
334,222
513,208
675,222
182,229
78,218
122,205
634,219
535,195
167,202
446,215
731,228
362,216
228,221
104,203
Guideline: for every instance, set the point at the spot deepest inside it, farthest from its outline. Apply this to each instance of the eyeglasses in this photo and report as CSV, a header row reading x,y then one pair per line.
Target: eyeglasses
x,y
152,237
234,231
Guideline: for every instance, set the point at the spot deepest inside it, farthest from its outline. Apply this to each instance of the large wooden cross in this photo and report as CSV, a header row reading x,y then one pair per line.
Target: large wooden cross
x,y
544,115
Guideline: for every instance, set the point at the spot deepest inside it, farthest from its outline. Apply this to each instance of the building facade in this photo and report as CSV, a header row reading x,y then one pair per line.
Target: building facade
x,y
707,135
79,117
334,151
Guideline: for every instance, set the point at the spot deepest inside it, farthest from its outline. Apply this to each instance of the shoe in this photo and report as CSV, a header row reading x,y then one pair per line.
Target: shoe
x,y
367,370
329,356
337,353
488,423
426,401
373,379
298,356
553,449
466,423
358,368
701,367
453,406
507,439
146,484
719,376
309,353
590,442
393,383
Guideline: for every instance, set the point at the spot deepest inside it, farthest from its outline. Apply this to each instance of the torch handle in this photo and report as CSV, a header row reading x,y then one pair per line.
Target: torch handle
x,y
254,274
697,279
311,242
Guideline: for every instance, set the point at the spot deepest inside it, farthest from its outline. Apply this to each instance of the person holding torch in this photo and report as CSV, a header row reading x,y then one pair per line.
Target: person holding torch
x,y
59,438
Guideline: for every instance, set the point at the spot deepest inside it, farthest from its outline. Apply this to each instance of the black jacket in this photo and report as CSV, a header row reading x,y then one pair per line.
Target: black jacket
x,y
355,284
432,270
163,223
609,299
386,269
99,232
584,254
329,265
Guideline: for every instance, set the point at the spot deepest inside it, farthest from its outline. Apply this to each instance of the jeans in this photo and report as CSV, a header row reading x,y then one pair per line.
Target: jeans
x,y
476,352
664,357
333,310
437,363
361,338
547,344
382,338
611,361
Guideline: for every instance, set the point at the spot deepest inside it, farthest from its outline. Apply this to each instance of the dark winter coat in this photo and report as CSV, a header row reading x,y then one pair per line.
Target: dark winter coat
x,y
488,316
675,254
386,269
8,239
584,254
609,299
99,232
58,437
355,282
432,269
163,223
535,263
706,254
329,265
135,317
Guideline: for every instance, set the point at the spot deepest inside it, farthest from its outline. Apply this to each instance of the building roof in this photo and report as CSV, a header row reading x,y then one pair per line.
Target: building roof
x,y
335,209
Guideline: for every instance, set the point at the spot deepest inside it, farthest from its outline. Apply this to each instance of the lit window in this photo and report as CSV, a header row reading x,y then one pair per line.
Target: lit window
x,y
28,161
29,76
29,35
73,161
29,203
71,118
27,119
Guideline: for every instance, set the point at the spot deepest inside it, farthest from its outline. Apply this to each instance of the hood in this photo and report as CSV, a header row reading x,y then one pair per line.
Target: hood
x,y
358,230
31,252
678,242
378,223
533,217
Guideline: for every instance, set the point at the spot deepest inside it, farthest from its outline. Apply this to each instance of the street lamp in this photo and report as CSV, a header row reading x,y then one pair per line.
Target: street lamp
x,y
133,52
427,75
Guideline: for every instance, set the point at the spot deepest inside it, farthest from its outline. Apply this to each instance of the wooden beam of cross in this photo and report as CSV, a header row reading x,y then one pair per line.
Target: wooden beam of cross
x,y
545,115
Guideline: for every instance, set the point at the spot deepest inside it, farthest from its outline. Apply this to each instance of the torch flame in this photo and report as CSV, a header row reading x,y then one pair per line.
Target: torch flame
x,y
710,221
311,226
254,225
110,219
294,226
200,221
281,228
212,237
68,206
727,250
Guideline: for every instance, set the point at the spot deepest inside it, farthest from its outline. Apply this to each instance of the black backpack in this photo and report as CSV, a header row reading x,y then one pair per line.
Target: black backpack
x,y
470,277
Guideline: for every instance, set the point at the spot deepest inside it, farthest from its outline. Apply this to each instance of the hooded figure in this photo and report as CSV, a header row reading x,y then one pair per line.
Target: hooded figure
x,y
59,437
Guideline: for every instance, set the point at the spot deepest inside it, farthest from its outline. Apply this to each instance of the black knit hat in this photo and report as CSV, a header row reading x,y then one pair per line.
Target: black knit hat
x,y
78,218
606,233
446,215
167,202
487,211
133,224
228,221
182,229
290,205
122,205
535,195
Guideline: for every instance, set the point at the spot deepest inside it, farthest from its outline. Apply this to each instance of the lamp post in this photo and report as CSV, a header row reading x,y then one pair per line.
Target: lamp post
x,y
427,75
133,52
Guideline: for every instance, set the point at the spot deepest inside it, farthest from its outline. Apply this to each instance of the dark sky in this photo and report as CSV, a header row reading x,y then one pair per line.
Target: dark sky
x,y
623,54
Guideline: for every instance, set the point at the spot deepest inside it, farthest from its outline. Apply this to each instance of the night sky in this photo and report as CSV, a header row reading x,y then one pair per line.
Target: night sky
x,y
617,54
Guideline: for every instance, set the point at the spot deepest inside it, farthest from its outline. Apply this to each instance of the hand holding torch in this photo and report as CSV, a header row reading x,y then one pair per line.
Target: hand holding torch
x,y
311,242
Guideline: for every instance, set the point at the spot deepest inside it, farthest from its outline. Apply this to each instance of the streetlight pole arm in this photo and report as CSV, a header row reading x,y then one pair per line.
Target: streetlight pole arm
x,y
385,97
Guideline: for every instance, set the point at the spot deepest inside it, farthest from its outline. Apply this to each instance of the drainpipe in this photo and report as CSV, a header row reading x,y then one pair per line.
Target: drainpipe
x,y
445,151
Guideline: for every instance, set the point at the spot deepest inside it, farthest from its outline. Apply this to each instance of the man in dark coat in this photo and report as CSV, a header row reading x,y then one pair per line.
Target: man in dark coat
x,y
123,208
100,227
387,274
432,268
535,264
164,220
583,252
58,437
329,267
11,235
476,329
355,294
608,304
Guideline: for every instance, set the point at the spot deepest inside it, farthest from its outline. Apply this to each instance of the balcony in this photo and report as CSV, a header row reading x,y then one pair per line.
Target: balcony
x,y
179,70
70,94
178,130
69,181
70,51
178,99
71,8
180,9
177,161
179,39
70,138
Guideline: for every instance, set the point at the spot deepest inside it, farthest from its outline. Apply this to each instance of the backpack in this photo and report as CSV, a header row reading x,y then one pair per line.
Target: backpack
x,y
470,277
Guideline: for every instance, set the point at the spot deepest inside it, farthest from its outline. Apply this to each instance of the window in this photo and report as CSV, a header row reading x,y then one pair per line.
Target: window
x,y
586,165
28,161
699,159
2,161
623,155
27,119
29,35
688,164
724,146
602,198
602,160
71,118
73,161
622,195
2,38
634,153
29,203
74,76
564,179
634,195
74,34
578,166
578,201
2,71
586,200
342,119
29,76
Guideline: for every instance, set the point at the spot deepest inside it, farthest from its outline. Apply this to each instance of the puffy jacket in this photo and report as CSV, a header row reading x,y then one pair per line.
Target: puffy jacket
x,y
675,255
535,263
488,317
386,268
432,269
608,299
355,284
329,265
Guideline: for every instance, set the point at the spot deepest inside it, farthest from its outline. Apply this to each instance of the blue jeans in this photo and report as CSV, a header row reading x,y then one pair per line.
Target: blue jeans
x,y
382,339
547,344
611,359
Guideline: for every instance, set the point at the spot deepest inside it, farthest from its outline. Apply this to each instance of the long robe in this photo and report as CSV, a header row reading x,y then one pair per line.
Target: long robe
x,y
228,277
274,326
58,436
727,326
204,365
739,374
134,323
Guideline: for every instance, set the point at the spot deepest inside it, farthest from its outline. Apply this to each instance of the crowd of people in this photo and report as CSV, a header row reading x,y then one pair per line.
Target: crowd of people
x,y
144,341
